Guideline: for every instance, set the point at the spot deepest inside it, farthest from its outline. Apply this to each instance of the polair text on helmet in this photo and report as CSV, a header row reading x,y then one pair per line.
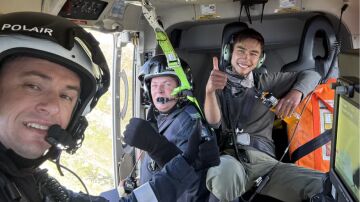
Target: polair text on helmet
x,y
18,27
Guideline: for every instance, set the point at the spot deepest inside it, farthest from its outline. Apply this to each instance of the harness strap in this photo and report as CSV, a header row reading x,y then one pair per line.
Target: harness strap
x,y
170,54
236,117
310,146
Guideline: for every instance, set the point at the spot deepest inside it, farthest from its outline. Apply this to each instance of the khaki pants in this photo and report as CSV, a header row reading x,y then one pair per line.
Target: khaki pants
x,y
232,178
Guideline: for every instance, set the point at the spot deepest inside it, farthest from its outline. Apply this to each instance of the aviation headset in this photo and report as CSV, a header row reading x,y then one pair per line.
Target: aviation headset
x,y
63,42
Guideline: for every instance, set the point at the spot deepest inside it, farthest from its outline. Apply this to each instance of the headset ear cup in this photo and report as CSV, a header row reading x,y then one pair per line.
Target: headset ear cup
x,y
261,61
226,52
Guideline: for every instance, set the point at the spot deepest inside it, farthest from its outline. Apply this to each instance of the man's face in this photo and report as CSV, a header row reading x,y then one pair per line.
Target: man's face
x,y
245,56
163,87
34,94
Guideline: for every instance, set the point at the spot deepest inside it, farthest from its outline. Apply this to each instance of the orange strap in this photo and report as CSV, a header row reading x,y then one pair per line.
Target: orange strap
x,y
319,97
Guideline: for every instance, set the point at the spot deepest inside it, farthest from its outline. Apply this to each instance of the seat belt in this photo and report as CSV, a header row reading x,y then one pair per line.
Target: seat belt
x,y
310,146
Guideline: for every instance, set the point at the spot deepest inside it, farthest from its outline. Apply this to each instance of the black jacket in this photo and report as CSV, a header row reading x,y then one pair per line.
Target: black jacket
x,y
24,183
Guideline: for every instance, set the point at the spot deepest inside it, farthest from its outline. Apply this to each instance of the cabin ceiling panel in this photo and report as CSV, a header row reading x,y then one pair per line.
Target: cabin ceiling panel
x,y
172,3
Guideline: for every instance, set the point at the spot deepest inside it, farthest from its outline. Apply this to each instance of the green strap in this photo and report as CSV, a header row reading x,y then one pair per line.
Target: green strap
x,y
173,61
170,54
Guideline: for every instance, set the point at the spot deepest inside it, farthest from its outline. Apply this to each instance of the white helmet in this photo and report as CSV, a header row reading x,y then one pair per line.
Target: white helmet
x,y
61,41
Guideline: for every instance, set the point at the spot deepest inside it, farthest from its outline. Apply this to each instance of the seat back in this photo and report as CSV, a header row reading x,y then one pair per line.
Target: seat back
x,y
327,66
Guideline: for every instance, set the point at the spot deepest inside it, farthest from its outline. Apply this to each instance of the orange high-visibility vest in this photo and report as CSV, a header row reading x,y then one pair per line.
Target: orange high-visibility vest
x,y
315,119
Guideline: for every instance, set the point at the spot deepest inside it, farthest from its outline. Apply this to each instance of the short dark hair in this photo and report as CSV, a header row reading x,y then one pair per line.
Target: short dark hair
x,y
249,33
8,59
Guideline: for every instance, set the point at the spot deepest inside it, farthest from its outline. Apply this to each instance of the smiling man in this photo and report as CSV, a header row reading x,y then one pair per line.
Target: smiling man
x,y
176,119
34,94
246,124
48,83
161,88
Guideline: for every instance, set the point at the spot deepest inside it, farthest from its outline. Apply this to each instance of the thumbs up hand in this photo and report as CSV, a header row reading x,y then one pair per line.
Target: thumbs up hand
x,y
217,79
215,63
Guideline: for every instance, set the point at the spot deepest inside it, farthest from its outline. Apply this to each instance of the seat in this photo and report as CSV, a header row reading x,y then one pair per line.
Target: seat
x,y
317,27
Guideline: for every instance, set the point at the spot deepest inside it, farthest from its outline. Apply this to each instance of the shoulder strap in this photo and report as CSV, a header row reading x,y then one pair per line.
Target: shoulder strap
x,y
310,146
193,112
164,124
256,76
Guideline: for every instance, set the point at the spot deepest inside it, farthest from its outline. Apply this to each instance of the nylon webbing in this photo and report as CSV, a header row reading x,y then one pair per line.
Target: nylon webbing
x,y
170,54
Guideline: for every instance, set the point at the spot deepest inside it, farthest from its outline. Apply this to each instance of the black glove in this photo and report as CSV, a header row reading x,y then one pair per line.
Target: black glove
x,y
192,150
209,155
202,145
140,134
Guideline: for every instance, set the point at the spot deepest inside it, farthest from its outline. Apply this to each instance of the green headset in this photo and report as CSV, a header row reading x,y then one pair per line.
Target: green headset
x,y
261,60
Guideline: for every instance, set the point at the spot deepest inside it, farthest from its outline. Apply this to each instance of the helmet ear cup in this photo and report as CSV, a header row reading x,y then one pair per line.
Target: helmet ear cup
x,y
261,60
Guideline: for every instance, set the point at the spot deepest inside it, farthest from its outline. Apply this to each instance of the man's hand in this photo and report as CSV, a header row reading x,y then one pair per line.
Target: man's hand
x,y
140,134
287,105
217,79
206,151
209,153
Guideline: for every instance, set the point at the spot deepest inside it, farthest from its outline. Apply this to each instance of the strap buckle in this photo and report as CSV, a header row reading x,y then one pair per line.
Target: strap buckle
x,y
242,138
